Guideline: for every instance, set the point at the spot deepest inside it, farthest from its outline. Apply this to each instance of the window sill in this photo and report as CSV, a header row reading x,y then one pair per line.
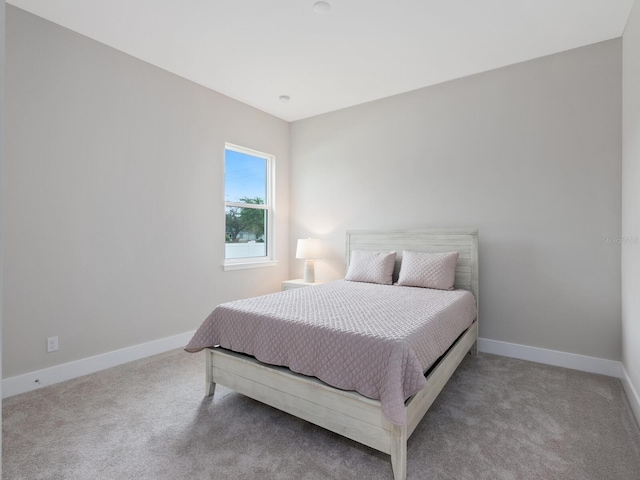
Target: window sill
x,y
250,264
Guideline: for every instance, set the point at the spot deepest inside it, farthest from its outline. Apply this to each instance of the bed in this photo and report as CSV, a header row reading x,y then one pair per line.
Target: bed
x,y
386,423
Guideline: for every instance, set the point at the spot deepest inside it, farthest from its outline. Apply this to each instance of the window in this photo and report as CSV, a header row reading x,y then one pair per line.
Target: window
x,y
248,201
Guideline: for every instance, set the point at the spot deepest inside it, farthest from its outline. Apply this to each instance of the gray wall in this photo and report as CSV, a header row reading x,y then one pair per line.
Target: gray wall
x,y
530,154
2,35
631,200
112,191
113,232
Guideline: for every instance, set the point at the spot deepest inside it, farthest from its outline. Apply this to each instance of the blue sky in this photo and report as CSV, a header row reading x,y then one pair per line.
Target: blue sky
x,y
244,176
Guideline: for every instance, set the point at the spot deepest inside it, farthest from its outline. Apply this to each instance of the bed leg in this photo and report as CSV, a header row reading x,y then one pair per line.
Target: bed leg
x,y
399,452
210,386
474,349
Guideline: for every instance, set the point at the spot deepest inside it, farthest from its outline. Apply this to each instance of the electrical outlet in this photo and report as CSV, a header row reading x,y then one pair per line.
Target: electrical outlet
x,y
52,344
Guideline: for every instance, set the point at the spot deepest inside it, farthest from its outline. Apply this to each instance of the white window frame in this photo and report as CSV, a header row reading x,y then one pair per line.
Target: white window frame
x,y
269,206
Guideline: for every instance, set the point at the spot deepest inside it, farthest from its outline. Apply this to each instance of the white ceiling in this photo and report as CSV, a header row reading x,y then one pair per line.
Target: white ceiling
x,y
256,50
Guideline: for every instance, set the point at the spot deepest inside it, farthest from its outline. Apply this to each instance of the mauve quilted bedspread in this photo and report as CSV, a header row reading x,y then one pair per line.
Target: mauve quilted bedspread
x,y
375,339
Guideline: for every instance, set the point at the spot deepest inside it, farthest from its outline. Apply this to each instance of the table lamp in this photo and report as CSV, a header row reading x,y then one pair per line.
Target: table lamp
x,y
309,249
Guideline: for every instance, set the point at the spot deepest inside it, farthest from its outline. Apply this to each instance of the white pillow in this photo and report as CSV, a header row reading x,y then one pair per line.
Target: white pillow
x,y
371,267
428,270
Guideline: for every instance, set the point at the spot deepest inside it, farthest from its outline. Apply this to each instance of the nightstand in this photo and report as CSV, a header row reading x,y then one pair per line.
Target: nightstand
x,y
297,283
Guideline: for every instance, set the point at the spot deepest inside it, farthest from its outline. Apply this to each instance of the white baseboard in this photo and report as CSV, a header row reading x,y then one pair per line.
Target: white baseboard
x,y
632,393
48,376
551,357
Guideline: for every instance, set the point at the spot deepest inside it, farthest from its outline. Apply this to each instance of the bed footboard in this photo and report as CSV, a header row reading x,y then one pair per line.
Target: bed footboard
x,y
346,413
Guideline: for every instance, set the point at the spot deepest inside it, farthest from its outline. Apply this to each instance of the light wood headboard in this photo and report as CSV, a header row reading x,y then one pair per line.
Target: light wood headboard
x,y
463,241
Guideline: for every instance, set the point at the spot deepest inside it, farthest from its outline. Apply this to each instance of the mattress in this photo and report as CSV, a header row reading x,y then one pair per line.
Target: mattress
x,y
377,340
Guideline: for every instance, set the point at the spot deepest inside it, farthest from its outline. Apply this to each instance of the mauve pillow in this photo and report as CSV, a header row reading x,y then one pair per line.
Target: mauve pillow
x,y
428,270
371,267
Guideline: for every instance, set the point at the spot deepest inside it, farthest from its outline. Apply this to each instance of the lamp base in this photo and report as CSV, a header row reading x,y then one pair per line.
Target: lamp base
x,y
309,272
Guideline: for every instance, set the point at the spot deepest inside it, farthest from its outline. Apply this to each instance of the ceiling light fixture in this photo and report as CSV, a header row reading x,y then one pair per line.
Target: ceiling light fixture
x,y
284,98
321,7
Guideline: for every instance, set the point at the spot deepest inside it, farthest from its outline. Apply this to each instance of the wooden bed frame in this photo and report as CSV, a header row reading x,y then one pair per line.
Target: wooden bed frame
x,y
349,413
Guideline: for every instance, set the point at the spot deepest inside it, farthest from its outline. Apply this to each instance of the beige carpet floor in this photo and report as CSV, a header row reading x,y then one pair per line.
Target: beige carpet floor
x,y
498,418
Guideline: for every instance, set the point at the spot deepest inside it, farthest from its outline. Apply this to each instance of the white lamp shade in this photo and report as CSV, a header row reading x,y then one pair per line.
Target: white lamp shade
x,y
309,248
